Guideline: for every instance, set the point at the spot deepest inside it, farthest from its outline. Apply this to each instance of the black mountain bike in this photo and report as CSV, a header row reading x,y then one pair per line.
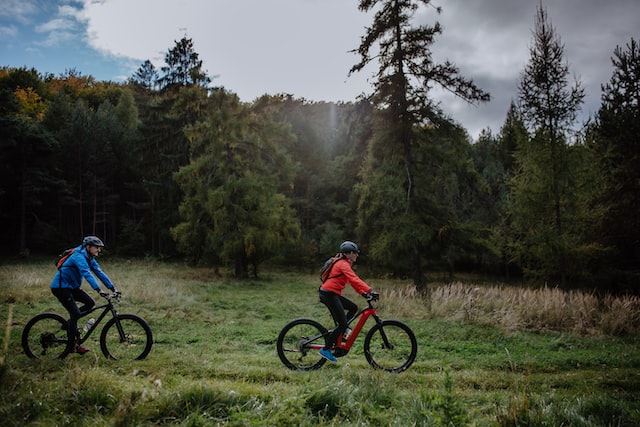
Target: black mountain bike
x,y
123,337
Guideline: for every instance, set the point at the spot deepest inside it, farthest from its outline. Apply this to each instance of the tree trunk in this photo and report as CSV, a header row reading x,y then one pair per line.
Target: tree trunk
x,y
240,267
416,271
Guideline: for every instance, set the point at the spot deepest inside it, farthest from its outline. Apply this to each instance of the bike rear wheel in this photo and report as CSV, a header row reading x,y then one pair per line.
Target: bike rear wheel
x,y
45,337
295,344
391,346
126,337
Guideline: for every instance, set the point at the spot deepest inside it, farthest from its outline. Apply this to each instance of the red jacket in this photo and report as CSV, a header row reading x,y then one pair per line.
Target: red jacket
x,y
340,275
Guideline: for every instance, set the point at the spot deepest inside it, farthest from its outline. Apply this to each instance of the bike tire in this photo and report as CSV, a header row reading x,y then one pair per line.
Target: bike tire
x,y
45,337
293,344
133,342
402,349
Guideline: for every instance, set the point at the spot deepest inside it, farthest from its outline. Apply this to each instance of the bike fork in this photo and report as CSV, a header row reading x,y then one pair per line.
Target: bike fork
x,y
385,340
118,325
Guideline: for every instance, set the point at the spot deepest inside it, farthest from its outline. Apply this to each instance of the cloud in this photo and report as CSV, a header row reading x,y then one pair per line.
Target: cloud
x,y
66,10
8,31
18,10
489,41
302,47
66,25
253,46
53,25
58,32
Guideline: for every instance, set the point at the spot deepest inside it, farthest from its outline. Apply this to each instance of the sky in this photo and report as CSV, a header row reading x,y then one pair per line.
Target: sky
x,y
305,47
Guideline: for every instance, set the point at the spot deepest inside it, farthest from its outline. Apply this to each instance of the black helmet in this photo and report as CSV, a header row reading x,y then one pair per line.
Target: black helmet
x,y
346,247
93,241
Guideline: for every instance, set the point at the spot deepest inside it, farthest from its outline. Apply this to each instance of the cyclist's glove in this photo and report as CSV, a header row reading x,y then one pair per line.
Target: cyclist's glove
x,y
116,293
103,294
371,295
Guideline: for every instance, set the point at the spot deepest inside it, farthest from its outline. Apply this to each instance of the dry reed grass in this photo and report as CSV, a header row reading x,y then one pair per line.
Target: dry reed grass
x,y
513,308
22,284
509,307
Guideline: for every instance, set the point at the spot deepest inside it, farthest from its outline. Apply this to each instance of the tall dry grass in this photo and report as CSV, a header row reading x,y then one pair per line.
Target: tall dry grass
x,y
543,309
149,283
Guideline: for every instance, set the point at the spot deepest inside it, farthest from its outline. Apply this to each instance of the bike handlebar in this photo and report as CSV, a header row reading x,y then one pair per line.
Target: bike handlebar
x,y
372,296
115,295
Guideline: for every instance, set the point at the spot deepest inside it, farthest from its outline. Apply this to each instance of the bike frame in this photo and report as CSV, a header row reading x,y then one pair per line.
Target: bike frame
x,y
362,316
108,308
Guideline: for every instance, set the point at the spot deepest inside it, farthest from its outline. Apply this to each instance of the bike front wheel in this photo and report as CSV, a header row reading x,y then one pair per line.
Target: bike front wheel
x,y
391,346
45,337
126,337
299,342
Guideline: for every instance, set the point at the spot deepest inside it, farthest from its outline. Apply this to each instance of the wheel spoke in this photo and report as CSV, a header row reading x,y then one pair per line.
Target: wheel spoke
x,y
128,339
391,346
294,344
45,337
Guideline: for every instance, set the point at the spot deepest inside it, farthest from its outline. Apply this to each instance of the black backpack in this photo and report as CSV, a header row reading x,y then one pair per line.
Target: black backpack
x,y
325,271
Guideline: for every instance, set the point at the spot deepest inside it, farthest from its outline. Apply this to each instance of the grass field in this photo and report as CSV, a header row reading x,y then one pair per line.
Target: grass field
x,y
488,356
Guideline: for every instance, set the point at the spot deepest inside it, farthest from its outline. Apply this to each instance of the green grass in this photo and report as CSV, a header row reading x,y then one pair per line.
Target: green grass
x,y
488,356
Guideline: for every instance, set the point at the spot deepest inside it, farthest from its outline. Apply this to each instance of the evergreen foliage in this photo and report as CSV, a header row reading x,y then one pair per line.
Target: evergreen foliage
x,y
617,144
550,208
168,167
400,210
233,207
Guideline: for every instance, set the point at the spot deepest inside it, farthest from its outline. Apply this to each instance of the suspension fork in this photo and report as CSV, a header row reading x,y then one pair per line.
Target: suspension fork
x,y
377,318
385,340
118,325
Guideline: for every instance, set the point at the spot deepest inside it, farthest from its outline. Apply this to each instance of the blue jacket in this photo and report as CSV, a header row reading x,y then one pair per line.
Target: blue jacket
x,y
77,266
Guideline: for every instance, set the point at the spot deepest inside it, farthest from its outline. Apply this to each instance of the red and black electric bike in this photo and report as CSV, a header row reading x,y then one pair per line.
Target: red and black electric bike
x,y
389,345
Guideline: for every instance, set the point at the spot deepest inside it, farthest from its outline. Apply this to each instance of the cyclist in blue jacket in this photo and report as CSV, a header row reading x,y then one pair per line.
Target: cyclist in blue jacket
x,y
66,283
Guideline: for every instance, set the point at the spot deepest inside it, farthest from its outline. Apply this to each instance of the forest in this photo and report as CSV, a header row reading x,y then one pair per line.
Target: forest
x,y
166,165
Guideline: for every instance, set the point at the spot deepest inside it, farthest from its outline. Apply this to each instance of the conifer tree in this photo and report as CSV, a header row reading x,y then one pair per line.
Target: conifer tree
x,y
618,145
397,207
234,207
180,102
183,67
548,203
146,77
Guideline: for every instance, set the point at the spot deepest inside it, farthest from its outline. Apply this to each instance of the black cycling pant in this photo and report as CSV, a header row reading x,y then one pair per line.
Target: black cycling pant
x,y
337,304
68,298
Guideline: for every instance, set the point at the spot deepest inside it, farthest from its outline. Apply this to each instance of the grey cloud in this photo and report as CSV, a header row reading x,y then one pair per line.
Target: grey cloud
x,y
489,41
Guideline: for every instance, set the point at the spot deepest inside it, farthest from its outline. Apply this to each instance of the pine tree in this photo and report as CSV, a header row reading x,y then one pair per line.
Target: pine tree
x,y
146,77
234,208
183,67
549,204
618,145
405,224
164,148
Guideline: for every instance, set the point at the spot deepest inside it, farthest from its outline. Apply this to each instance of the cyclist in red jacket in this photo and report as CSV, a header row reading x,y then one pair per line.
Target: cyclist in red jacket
x,y
331,294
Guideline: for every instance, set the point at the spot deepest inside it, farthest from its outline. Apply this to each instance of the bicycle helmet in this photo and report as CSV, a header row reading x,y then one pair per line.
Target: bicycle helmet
x,y
347,246
93,241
